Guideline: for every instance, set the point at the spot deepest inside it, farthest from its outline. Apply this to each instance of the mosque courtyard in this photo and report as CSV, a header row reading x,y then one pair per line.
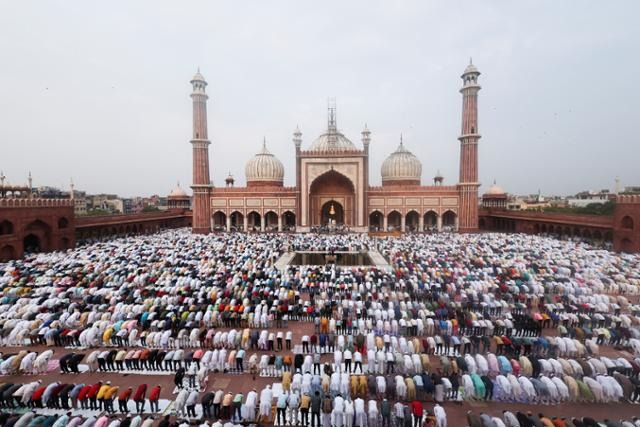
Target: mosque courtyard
x,y
468,322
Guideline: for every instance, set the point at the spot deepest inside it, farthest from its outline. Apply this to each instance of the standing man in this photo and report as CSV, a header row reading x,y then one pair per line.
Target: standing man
x,y
281,408
294,404
305,404
417,410
240,360
316,402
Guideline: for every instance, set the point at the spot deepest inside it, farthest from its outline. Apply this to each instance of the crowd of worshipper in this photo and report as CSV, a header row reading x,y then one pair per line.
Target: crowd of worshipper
x,y
490,317
529,419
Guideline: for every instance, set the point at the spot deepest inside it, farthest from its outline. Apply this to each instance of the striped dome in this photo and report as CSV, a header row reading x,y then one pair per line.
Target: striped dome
x,y
264,167
401,165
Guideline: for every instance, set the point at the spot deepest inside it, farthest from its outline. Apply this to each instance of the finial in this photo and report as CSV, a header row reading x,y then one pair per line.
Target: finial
x,y
470,61
332,114
400,138
198,68
264,142
494,182
30,179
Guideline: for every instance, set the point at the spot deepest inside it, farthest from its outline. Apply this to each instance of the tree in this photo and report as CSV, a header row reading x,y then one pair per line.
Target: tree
x,y
605,208
150,208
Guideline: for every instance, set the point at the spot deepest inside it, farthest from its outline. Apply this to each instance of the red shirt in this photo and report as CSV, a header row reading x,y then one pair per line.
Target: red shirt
x,y
94,390
83,392
125,395
140,392
416,407
37,395
155,393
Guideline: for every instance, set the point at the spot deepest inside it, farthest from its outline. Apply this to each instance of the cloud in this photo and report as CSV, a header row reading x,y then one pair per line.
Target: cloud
x,y
100,91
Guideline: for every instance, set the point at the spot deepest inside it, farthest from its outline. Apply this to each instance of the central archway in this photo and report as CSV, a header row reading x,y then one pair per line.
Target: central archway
x,y
332,212
332,187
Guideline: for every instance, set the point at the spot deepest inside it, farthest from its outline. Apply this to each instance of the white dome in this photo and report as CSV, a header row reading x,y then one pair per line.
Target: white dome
x,y
198,77
401,165
494,190
178,192
264,167
332,141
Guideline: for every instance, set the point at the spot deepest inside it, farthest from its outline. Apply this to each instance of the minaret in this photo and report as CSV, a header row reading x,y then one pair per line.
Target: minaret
x,y
200,142
30,184
468,185
366,141
297,142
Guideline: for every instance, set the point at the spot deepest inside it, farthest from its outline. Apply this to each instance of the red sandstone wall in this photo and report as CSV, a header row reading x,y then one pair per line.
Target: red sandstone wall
x,y
47,223
627,213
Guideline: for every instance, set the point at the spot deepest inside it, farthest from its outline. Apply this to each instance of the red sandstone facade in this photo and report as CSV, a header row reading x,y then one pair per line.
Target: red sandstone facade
x,y
332,183
626,224
31,224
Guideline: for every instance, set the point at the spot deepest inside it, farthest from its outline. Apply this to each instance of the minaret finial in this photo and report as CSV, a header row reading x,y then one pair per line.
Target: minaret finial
x,y
264,142
333,126
400,138
470,61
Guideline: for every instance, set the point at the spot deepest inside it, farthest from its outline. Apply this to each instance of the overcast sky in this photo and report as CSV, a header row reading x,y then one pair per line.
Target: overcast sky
x,y
99,90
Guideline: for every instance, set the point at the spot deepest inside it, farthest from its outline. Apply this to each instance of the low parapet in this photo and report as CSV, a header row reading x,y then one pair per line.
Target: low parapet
x,y
35,203
628,198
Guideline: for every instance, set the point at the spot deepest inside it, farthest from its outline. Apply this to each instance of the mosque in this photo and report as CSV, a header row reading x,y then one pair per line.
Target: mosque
x,y
332,187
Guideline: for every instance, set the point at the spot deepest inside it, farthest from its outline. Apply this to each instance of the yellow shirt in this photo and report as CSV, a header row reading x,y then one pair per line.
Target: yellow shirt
x,y
102,391
111,393
228,398
305,401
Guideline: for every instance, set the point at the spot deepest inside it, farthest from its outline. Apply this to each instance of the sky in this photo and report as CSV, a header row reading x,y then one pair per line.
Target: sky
x,y
98,92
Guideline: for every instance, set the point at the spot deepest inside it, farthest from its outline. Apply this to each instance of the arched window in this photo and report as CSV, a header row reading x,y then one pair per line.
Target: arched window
x,y
6,227
627,223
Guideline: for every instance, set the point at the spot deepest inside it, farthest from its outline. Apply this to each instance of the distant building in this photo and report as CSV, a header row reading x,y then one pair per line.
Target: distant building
x,y
532,202
178,199
127,206
494,198
633,189
46,192
585,198
80,203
